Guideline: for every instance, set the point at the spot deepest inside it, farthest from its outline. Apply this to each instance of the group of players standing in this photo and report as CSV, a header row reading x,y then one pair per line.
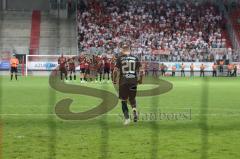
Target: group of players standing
x,y
96,68
130,69
92,68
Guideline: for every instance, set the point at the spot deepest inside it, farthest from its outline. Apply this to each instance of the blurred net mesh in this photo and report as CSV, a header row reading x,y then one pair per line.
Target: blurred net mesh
x,y
52,125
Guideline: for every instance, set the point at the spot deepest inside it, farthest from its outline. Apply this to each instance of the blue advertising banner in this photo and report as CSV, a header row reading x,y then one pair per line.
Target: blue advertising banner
x,y
4,65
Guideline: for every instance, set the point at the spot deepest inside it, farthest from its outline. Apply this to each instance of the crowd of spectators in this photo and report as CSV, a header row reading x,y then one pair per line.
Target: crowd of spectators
x,y
170,30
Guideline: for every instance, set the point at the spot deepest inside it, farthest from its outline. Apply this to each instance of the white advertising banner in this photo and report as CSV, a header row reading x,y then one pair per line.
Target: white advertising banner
x,y
48,66
208,65
43,66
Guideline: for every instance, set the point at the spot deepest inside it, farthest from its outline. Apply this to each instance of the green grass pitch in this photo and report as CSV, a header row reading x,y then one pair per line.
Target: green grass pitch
x,y
31,130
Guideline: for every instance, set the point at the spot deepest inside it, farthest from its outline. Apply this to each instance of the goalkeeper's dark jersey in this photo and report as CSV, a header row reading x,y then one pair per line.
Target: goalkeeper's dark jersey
x,y
129,67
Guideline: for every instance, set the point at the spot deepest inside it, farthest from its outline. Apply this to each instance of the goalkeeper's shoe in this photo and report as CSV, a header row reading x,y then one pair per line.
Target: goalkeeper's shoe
x,y
127,121
135,115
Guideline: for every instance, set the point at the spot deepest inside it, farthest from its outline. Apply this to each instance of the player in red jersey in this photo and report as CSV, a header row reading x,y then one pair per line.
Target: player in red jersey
x,y
82,68
62,61
92,69
112,65
95,62
71,66
87,69
100,69
145,67
107,66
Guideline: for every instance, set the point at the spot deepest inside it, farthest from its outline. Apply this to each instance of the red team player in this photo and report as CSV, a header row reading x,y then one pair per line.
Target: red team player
x,y
62,61
87,69
92,68
107,66
71,66
112,65
100,68
82,68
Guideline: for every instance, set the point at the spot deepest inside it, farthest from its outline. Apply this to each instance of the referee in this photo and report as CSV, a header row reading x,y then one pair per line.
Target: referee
x,y
14,64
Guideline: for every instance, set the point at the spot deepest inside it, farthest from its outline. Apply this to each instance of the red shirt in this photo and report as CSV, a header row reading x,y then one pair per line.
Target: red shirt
x,y
86,65
82,65
100,64
112,65
71,63
92,66
62,62
107,64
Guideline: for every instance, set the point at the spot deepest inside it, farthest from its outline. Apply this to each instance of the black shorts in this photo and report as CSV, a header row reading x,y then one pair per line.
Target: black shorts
x,y
100,70
63,70
106,70
14,70
127,91
93,72
72,69
87,71
82,70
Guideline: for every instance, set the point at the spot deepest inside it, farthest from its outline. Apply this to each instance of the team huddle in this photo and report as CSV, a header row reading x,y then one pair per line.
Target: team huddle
x,y
92,68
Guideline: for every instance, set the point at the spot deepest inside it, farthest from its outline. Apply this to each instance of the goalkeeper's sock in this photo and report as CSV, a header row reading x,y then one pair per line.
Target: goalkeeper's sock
x,y
70,77
16,77
125,109
74,77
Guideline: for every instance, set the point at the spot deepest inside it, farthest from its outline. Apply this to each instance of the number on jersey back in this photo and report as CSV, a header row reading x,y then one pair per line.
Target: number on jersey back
x,y
129,67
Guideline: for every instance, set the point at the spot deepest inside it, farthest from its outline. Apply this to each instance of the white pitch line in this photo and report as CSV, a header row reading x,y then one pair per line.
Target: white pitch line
x,y
170,108
230,109
143,114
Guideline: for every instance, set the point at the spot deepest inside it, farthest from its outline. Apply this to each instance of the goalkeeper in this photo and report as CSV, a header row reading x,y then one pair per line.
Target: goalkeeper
x,y
14,64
